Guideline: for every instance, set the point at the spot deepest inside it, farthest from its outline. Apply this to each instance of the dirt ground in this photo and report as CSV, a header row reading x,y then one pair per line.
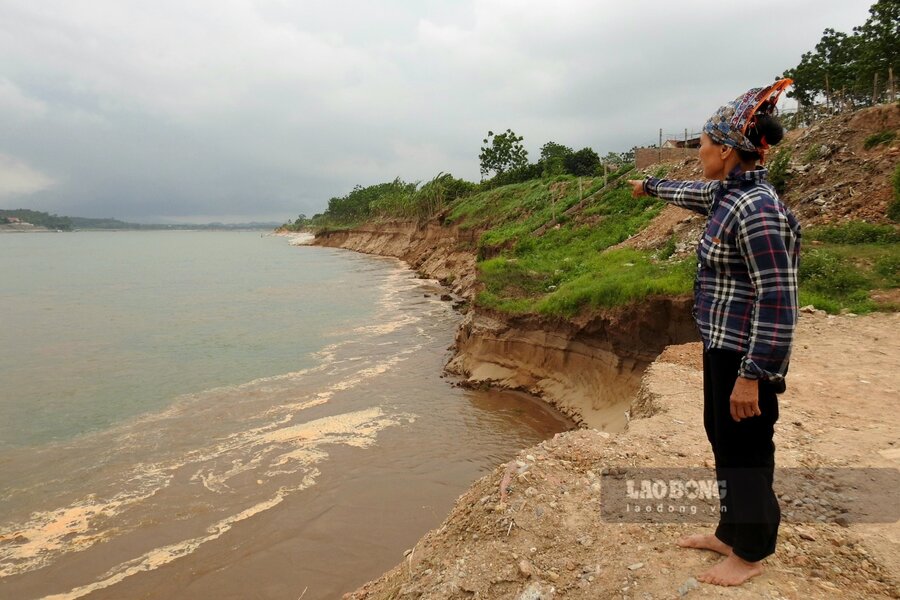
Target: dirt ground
x,y
533,527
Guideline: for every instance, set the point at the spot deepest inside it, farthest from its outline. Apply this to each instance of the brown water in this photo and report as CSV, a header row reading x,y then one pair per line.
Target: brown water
x,y
305,483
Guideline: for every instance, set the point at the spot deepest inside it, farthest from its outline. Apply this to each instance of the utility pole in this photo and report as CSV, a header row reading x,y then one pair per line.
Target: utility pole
x,y
659,154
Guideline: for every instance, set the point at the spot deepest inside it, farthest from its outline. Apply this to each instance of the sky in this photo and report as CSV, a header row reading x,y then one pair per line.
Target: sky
x,y
242,110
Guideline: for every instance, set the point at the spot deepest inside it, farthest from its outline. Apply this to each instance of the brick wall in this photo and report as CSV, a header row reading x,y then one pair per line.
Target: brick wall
x,y
644,157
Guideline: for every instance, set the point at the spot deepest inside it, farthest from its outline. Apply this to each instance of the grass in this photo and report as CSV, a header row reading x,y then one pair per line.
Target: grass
x,y
854,232
569,268
842,276
813,153
876,139
512,212
602,280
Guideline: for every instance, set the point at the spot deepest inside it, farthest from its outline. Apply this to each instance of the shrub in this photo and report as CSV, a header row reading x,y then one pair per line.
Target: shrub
x,y
824,272
667,250
813,153
876,139
893,211
854,232
779,170
526,172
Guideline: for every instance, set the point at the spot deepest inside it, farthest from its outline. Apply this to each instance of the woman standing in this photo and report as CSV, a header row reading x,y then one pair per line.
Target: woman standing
x,y
745,305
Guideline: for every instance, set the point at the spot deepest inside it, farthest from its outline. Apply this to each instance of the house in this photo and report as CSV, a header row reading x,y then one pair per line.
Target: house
x,y
693,142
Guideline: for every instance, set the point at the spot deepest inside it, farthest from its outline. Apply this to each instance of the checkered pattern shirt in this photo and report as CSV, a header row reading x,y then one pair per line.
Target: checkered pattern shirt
x,y
745,294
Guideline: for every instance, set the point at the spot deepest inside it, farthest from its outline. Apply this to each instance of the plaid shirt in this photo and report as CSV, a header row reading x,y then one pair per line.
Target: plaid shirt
x,y
745,294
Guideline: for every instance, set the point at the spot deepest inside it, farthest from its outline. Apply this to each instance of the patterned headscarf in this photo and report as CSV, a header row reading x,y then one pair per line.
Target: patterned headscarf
x,y
730,123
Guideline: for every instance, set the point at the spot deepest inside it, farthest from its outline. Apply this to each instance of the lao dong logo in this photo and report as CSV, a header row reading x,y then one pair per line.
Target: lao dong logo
x,y
675,489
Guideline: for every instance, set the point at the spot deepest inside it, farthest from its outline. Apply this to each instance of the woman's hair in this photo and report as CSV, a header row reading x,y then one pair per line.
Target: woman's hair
x,y
767,131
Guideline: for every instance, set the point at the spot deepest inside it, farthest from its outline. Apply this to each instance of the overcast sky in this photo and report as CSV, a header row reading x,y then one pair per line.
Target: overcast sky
x,y
238,110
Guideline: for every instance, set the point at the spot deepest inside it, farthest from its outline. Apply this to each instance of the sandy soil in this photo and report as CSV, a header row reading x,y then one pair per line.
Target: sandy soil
x,y
533,527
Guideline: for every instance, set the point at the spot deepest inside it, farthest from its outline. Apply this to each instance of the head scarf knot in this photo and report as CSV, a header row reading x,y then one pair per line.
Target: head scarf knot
x,y
730,123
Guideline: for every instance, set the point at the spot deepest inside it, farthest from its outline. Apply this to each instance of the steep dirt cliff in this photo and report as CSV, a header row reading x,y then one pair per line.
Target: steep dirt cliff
x,y
588,367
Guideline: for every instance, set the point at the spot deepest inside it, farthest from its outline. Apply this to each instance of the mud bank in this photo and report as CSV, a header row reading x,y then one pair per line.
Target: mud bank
x,y
589,367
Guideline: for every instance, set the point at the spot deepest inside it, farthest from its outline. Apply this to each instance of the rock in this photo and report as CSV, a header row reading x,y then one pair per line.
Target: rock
x,y
843,521
407,552
635,566
689,584
446,297
525,568
536,591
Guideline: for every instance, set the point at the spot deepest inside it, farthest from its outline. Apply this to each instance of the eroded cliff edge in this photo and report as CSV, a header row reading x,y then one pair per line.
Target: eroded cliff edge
x,y
588,367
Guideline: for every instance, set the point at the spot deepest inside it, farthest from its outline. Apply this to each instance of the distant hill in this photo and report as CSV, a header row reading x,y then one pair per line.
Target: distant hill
x,y
41,219
71,223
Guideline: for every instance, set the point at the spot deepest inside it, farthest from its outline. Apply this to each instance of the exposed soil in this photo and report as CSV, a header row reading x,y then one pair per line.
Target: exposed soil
x,y
533,529
831,177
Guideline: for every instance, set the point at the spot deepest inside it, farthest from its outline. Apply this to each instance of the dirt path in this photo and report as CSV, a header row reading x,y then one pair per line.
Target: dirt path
x,y
545,538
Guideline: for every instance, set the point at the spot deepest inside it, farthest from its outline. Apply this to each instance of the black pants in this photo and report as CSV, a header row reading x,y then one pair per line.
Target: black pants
x,y
745,459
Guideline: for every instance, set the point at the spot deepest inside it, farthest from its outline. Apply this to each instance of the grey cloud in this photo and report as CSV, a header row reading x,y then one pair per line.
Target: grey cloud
x,y
266,107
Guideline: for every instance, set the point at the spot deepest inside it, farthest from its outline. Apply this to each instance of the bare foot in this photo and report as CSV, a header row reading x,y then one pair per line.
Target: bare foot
x,y
732,570
704,541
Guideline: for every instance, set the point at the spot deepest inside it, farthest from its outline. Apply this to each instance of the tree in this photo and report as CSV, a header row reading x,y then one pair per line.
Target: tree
x,y
552,160
582,163
502,152
844,66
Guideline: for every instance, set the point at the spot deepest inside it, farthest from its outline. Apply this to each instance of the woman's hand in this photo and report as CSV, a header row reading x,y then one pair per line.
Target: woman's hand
x,y
637,188
745,399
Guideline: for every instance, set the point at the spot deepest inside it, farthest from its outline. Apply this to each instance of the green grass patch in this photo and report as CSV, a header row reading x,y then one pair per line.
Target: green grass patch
x,y
854,232
514,210
568,268
877,139
563,288
842,276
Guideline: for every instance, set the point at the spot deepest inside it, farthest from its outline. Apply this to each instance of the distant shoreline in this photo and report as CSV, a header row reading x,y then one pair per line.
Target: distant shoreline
x,y
40,229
